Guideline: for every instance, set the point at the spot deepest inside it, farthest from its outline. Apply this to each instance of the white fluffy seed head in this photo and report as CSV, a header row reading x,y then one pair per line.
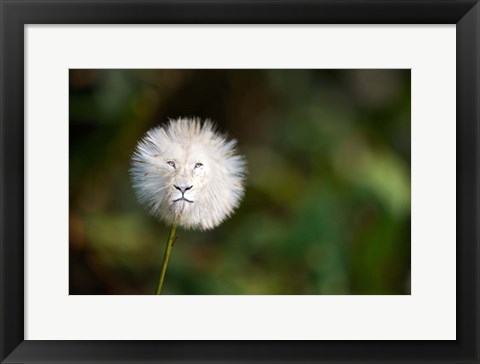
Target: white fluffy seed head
x,y
187,173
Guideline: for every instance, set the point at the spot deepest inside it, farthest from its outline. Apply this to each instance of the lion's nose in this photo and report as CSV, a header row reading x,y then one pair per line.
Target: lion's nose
x,y
183,189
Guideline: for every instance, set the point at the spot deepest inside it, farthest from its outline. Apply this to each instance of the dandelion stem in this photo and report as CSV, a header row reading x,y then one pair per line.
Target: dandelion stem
x,y
168,248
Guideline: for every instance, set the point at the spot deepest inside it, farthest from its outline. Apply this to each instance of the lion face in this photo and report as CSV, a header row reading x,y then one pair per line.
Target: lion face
x,y
188,174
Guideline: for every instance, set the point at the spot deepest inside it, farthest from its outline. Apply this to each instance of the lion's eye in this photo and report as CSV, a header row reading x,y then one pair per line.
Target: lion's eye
x,y
198,165
171,164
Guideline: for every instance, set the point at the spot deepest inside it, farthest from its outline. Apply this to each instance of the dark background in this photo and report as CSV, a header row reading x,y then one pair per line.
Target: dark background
x,y
327,206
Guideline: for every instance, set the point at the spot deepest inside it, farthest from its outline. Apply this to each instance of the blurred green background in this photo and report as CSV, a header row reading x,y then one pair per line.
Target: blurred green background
x,y
327,205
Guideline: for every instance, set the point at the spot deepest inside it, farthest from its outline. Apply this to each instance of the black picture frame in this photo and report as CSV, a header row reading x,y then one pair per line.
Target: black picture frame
x,y
15,14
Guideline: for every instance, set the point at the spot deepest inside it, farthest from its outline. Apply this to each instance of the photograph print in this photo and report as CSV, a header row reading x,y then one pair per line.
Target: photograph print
x,y
239,181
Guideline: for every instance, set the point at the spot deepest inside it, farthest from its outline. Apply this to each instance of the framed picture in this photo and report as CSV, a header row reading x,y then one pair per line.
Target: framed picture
x,y
239,181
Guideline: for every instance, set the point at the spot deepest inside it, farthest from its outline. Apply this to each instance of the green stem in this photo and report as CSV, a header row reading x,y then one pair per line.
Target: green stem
x,y
165,258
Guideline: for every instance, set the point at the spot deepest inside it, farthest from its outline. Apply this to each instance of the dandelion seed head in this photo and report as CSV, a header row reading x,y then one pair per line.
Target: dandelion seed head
x,y
188,173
